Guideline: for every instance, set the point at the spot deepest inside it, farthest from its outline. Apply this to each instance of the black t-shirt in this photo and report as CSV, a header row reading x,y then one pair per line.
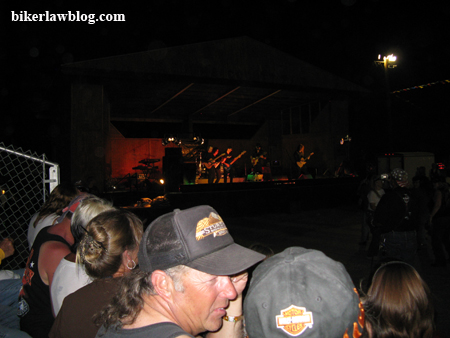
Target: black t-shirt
x,y
160,330
398,210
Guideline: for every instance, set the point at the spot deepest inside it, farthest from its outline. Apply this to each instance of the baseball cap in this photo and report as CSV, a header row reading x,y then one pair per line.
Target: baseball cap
x,y
73,205
196,237
302,292
401,176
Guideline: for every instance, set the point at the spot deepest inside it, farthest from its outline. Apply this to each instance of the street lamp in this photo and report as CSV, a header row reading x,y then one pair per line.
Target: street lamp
x,y
389,61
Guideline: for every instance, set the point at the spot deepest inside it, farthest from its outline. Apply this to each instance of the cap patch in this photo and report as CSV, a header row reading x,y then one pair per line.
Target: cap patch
x,y
294,320
211,225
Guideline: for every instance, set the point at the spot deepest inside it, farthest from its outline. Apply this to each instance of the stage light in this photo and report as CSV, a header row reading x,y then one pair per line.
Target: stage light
x,y
161,181
171,139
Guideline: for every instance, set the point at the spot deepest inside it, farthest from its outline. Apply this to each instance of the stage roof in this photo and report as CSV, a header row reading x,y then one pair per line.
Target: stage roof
x,y
225,87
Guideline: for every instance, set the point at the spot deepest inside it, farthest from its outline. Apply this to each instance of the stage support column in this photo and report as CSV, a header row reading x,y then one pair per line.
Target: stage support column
x,y
173,169
89,132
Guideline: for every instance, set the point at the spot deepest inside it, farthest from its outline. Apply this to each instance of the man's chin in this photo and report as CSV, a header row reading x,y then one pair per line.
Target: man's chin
x,y
215,325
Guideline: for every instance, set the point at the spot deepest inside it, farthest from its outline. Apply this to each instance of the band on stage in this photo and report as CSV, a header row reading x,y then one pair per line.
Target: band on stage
x,y
213,165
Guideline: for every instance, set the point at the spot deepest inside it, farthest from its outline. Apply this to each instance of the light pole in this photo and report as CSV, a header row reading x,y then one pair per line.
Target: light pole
x,y
389,61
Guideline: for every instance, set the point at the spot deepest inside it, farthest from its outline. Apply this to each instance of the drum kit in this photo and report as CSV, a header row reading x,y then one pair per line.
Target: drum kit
x,y
148,168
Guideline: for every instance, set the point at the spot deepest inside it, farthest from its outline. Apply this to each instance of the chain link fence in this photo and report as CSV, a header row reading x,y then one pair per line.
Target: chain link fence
x,y
26,180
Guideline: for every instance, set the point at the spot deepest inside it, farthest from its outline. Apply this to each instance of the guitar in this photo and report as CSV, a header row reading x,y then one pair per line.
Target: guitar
x,y
303,161
227,166
256,159
213,163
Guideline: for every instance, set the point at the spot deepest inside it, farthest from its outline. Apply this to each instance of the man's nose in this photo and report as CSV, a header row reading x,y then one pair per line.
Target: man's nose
x,y
227,287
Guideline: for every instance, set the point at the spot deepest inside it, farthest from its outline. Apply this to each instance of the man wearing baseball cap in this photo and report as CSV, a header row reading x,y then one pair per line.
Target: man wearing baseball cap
x,y
302,293
190,279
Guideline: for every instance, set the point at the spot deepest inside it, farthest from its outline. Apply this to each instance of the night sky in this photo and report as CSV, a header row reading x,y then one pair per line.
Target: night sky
x,y
341,36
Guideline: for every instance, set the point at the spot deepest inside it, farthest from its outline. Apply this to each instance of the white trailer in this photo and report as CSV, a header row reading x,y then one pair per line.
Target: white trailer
x,y
412,162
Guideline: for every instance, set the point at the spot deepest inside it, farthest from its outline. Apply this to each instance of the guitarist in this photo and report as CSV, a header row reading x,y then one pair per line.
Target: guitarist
x,y
301,162
229,169
228,161
258,158
212,164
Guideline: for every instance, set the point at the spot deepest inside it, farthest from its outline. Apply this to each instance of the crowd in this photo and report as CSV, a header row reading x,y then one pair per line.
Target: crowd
x,y
400,214
93,271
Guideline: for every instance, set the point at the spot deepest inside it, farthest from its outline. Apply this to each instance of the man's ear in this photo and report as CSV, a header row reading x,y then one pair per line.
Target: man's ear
x,y
162,284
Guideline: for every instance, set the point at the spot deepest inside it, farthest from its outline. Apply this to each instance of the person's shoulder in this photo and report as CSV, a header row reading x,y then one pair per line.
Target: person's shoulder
x,y
99,287
54,250
55,246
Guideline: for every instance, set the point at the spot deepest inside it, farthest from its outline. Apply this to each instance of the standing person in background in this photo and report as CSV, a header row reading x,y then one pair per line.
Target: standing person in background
x,y
212,164
217,165
440,222
396,218
373,198
228,169
363,190
258,158
301,162
423,191
207,160
59,198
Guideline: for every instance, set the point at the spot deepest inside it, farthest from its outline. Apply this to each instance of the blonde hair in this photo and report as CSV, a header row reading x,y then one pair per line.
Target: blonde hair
x,y
107,237
88,208
398,304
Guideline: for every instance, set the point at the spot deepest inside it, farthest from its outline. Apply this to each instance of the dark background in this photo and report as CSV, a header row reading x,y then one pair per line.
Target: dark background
x,y
343,37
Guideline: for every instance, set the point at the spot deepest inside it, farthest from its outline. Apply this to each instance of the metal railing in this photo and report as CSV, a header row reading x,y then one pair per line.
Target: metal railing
x,y
26,180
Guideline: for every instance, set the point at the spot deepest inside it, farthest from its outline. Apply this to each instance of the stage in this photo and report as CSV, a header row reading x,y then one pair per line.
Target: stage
x,y
243,197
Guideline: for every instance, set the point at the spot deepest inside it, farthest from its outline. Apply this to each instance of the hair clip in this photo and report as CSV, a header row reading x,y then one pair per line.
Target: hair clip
x,y
91,239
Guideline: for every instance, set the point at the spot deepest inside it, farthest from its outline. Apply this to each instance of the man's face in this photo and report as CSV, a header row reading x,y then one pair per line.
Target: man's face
x,y
201,306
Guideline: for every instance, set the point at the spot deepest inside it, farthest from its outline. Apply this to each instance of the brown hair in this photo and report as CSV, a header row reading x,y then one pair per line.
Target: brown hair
x,y
59,198
128,302
107,236
398,304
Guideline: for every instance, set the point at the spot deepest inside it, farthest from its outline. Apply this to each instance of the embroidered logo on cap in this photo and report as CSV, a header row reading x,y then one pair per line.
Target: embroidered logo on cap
x,y
211,225
294,320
